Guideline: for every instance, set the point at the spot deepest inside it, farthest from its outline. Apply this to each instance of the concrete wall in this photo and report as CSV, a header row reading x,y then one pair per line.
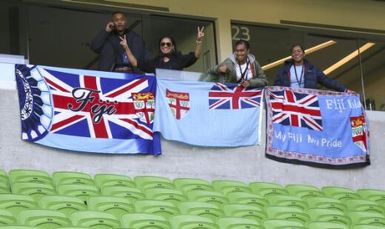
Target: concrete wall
x,y
180,160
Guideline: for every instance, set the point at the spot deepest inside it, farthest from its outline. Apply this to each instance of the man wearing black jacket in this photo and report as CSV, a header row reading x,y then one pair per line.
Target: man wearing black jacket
x,y
300,73
107,44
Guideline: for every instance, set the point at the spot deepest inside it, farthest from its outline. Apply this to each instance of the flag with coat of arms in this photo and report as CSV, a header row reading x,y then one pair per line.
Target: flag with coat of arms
x,y
89,111
208,114
316,127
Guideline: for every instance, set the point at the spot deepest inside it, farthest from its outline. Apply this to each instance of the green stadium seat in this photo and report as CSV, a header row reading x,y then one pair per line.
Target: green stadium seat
x,y
238,223
303,191
367,226
6,218
102,180
72,227
366,217
228,186
244,211
117,206
4,183
27,175
64,204
340,193
327,225
16,203
83,191
363,205
209,210
144,220
207,196
325,202
159,207
191,222
43,218
372,194
283,224
35,190
67,177
18,227
94,219
189,184
286,213
172,195
328,215
288,201
247,198
265,188
129,193
145,182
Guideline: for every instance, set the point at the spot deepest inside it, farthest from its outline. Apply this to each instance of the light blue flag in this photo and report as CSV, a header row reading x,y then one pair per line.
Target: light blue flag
x,y
208,114
316,127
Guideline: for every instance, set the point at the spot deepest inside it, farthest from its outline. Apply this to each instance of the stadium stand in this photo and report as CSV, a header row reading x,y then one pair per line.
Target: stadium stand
x,y
159,202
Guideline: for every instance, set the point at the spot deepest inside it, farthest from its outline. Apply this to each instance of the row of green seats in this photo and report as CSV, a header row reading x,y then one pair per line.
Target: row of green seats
x,y
64,180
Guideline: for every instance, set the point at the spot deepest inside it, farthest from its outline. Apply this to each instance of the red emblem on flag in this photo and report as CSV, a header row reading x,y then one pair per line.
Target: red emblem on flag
x,y
359,132
179,103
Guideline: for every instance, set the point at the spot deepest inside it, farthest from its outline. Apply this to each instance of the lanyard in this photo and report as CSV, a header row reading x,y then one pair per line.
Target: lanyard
x,y
243,74
296,76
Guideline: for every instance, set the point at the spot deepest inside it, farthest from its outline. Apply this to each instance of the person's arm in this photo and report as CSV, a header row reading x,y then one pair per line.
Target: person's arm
x,y
100,39
199,42
260,79
329,82
131,57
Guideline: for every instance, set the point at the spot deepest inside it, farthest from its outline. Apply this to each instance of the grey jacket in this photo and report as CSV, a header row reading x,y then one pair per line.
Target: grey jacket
x,y
258,80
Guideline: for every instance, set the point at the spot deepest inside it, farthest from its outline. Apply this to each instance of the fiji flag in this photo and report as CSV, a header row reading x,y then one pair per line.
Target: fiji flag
x,y
87,111
208,114
316,127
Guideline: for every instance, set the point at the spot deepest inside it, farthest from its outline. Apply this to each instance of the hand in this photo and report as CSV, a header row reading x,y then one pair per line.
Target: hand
x,y
245,83
123,42
223,68
200,34
109,27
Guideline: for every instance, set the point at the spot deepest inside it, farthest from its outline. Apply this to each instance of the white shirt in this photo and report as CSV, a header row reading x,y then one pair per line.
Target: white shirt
x,y
297,81
248,74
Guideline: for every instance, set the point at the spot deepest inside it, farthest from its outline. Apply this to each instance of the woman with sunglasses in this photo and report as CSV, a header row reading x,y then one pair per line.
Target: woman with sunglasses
x,y
168,57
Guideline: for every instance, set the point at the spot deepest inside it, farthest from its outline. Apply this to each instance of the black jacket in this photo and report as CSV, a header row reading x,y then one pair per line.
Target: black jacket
x,y
312,76
108,46
177,61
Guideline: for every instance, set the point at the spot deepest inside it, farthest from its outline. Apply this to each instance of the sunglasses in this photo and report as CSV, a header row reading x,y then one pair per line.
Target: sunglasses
x,y
168,44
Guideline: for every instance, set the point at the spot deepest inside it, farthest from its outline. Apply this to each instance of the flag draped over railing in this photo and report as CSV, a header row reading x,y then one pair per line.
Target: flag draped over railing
x,y
316,127
86,110
208,114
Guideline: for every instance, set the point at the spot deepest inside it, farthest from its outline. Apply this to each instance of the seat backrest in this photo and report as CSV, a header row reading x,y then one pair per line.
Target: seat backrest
x,y
238,223
244,211
35,190
43,218
117,206
327,225
94,219
247,198
209,210
144,220
192,221
281,224
82,191
266,188
145,182
328,215
6,218
28,175
129,193
63,204
188,184
340,193
15,203
286,200
286,213
103,179
159,207
207,196
172,195
67,177
228,186
4,183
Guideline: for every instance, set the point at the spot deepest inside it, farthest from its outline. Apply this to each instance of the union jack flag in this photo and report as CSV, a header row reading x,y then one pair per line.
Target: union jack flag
x,y
97,107
296,109
223,96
